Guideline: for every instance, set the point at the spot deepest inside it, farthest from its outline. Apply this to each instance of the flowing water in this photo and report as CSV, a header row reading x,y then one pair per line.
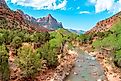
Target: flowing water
x,y
87,68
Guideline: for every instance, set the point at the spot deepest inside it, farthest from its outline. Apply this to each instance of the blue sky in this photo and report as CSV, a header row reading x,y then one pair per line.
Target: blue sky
x,y
74,14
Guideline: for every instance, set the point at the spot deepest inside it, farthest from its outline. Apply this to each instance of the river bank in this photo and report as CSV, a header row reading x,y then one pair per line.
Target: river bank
x,y
66,61
62,70
65,67
106,60
80,66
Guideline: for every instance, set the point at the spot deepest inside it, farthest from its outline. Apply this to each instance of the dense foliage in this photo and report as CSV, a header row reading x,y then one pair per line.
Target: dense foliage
x,y
83,38
49,54
4,66
28,61
111,40
30,49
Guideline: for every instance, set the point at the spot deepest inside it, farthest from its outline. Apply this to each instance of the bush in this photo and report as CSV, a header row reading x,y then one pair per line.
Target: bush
x,y
117,58
97,44
4,66
49,54
100,34
28,61
17,41
84,38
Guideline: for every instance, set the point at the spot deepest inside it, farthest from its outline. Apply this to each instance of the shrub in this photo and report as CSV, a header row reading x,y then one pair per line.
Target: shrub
x,y
28,61
17,41
85,38
49,54
4,66
117,58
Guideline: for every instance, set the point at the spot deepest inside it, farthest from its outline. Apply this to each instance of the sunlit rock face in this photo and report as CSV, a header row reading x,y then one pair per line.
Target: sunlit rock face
x,y
49,22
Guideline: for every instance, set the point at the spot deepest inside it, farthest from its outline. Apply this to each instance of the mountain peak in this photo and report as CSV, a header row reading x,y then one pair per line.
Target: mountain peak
x,y
49,15
49,22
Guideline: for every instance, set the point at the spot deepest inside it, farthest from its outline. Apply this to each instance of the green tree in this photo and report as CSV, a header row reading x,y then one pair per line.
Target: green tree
x,y
100,34
2,39
17,41
4,66
28,61
49,54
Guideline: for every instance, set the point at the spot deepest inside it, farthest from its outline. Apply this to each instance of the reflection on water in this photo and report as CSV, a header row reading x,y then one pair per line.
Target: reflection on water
x,y
87,68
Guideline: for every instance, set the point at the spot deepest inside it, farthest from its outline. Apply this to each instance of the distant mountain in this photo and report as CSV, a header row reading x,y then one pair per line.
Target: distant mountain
x,y
77,31
106,24
18,19
48,22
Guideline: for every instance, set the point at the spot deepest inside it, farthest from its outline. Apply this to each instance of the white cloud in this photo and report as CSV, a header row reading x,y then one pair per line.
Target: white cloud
x,y
102,5
92,1
109,5
84,12
116,7
42,4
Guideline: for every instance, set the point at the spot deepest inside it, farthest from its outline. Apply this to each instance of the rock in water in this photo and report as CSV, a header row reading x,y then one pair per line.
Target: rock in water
x,y
75,73
99,80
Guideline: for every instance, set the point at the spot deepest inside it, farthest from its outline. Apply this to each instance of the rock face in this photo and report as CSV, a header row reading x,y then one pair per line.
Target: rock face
x,y
49,22
106,24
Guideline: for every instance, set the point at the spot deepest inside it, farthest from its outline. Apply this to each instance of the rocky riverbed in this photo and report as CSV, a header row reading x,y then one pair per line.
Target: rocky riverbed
x,y
86,68
78,65
106,60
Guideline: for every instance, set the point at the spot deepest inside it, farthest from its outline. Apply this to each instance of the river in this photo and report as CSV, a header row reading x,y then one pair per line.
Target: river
x,y
86,68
